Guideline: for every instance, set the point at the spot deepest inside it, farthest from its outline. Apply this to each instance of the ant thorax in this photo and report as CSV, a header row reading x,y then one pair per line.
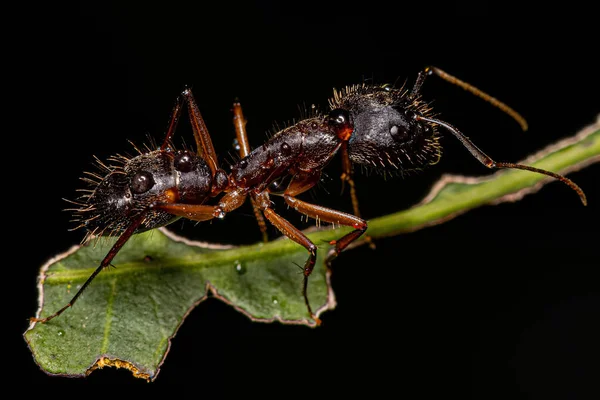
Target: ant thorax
x,y
386,131
305,146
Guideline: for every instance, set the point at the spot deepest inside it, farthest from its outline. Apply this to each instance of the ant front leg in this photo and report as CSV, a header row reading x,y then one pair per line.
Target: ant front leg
x,y
347,177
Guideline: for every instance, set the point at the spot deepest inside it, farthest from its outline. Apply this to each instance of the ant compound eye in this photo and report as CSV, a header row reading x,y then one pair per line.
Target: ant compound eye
x,y
399,133
341,121
142,182
242,164
184,162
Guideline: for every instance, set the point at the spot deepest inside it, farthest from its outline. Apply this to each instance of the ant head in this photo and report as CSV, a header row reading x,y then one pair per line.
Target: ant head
x,y
386,133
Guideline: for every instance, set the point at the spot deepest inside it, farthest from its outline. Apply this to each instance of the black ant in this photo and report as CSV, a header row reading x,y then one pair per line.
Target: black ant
x,y
374,125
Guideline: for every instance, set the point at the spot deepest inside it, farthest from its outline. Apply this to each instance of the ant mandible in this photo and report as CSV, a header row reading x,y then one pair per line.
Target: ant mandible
x,y
373,125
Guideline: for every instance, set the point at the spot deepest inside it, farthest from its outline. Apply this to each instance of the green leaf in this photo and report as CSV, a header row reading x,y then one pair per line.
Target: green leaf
x,y
129,314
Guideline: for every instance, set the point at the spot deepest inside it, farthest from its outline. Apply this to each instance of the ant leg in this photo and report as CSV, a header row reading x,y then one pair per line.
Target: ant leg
x,y
204,144
195,212
203,141
304,181
469,88
173,123
297,236
347,178
105,263
239,123
488,162
199,212
333,216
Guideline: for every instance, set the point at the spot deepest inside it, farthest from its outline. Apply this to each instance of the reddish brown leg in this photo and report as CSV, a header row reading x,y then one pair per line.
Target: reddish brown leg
x,y
347,177
173,123
105,263
199,212
203,140
297,236
204,145
239,122
333,216
301,183
195,212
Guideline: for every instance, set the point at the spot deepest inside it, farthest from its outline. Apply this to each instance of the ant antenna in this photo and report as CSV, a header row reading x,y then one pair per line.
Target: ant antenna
x,y
482,95
488,162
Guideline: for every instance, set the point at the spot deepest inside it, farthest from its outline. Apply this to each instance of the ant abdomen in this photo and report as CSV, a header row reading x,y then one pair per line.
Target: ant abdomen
x,y
194,178
134,185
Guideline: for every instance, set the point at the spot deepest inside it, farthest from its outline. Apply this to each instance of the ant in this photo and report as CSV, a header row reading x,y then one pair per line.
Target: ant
x,y
371,125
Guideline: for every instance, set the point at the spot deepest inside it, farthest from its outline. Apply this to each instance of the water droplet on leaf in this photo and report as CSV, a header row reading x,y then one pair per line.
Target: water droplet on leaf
x,y
239,268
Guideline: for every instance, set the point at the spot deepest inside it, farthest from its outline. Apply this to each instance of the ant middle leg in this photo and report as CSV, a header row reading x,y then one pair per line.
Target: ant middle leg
x,y
201,212
304,181
239,122
347,177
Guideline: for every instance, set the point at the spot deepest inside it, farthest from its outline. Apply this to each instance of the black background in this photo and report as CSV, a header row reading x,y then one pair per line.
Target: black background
x,y
500,302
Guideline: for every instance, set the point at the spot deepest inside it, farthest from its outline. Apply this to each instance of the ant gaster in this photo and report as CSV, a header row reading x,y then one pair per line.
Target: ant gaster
x,y
373,125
